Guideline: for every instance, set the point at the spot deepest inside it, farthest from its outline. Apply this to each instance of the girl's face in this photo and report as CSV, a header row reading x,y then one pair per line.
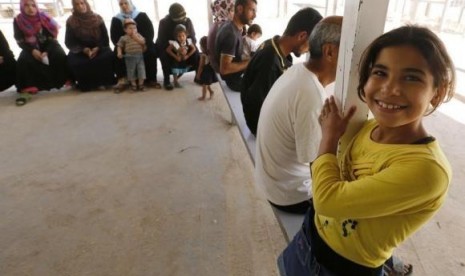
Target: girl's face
x,y
400,87
182,37
80,6
30,8
124,5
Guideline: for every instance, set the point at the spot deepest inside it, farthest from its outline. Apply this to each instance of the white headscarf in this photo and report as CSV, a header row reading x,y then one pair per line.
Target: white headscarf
x,y
133,14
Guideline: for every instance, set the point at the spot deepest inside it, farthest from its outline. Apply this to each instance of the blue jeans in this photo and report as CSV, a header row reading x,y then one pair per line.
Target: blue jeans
x,y
298,258
135,67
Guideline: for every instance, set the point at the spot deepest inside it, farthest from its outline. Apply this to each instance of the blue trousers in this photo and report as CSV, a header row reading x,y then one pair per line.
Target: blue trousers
x,y
135,67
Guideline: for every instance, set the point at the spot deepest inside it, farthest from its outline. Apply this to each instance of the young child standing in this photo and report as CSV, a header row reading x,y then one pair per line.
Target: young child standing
x,y
181,50
254,32
132,44
393,177
205,74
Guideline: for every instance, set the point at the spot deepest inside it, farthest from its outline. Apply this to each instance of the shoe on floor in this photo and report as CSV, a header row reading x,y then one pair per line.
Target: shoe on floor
x,y
168,86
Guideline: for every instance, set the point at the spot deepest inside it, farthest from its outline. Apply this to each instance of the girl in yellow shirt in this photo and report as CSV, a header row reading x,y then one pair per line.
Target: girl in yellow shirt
x,y
393,177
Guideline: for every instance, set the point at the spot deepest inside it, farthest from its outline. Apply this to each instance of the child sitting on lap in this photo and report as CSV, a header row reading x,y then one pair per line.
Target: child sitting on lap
x,y
181,50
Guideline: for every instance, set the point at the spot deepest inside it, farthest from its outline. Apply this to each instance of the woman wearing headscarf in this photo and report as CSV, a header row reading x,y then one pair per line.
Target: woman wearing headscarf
x,y
7,64
90,57
42,61
176,16
145,28
222,11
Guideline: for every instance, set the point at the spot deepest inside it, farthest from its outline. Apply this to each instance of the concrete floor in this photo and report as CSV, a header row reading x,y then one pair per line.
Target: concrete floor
x,y
157,183
152,183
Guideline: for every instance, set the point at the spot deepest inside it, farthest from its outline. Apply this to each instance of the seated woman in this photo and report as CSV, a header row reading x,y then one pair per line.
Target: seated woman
x,y
145,28
7,64
90,58
42,61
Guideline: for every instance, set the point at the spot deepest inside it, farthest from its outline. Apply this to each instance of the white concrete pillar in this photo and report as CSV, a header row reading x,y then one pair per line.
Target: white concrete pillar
x,y
363,22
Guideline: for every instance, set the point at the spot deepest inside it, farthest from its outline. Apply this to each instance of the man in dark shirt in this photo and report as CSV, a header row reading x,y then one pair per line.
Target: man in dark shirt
x,y
176,15
228,44
272,59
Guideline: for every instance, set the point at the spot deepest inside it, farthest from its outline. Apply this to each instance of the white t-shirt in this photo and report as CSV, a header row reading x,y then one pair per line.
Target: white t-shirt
x,y
288,136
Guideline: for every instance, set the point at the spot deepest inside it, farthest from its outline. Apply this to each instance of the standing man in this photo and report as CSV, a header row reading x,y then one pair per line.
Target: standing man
x,y
288,132
228,44
176,15
272,59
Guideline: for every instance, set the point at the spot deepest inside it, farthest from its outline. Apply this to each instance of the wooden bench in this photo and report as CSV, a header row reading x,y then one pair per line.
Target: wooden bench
x,y
290,223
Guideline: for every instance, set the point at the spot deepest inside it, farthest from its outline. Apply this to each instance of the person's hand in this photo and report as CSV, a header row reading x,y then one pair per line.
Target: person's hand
x,y
93,52
1,59
333,124
178,58
87,51
119,55
37,55
183,51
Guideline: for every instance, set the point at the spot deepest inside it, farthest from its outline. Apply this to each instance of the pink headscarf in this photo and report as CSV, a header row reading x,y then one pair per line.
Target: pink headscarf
x,y
31,25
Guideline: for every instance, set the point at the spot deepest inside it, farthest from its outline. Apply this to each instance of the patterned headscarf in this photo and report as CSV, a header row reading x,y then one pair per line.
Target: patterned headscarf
x,y
133,14
85,25
31,25
221,10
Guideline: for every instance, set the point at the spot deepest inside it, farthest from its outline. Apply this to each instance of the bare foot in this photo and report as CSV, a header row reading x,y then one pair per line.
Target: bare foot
x,y
201,98
211,95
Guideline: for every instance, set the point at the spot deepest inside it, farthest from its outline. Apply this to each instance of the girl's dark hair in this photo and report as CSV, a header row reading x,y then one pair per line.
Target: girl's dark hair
x,y
254,28
203,44
430,47
178,29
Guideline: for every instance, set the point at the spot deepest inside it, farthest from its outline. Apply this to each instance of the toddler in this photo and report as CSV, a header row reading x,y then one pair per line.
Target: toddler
x,y
205,74
254,32
133,46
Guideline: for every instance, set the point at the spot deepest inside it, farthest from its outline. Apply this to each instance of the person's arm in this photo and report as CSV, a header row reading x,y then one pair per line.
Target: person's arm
x,y
119,47
116,30
404,185
145,27
5,51
190,30
227,66
71,41
191,51
19,36
171,52
104,40
201,65
163,36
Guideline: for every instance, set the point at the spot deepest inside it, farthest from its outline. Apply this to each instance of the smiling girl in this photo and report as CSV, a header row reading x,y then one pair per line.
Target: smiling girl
x,y
393,177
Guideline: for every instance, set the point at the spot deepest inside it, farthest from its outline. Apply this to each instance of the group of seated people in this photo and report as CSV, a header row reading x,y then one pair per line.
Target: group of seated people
x,y
359,207
91,63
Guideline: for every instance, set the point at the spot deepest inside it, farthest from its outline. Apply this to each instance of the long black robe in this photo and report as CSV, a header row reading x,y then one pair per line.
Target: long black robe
x,y
33,73
8,66
90,73
145,28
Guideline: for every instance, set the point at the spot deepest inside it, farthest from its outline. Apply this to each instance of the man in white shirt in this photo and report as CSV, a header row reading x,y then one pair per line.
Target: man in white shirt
x,y
288,131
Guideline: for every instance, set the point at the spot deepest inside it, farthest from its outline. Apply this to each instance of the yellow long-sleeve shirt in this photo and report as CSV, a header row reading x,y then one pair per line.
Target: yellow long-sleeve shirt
x,y
382,195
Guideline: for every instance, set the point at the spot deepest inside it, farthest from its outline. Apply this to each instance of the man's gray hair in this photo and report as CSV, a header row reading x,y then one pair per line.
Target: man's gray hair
x,y
323,33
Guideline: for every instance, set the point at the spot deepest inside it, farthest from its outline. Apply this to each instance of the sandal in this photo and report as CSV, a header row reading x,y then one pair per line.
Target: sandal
x,y
395,267
118,88
22,99
141,88
134,87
